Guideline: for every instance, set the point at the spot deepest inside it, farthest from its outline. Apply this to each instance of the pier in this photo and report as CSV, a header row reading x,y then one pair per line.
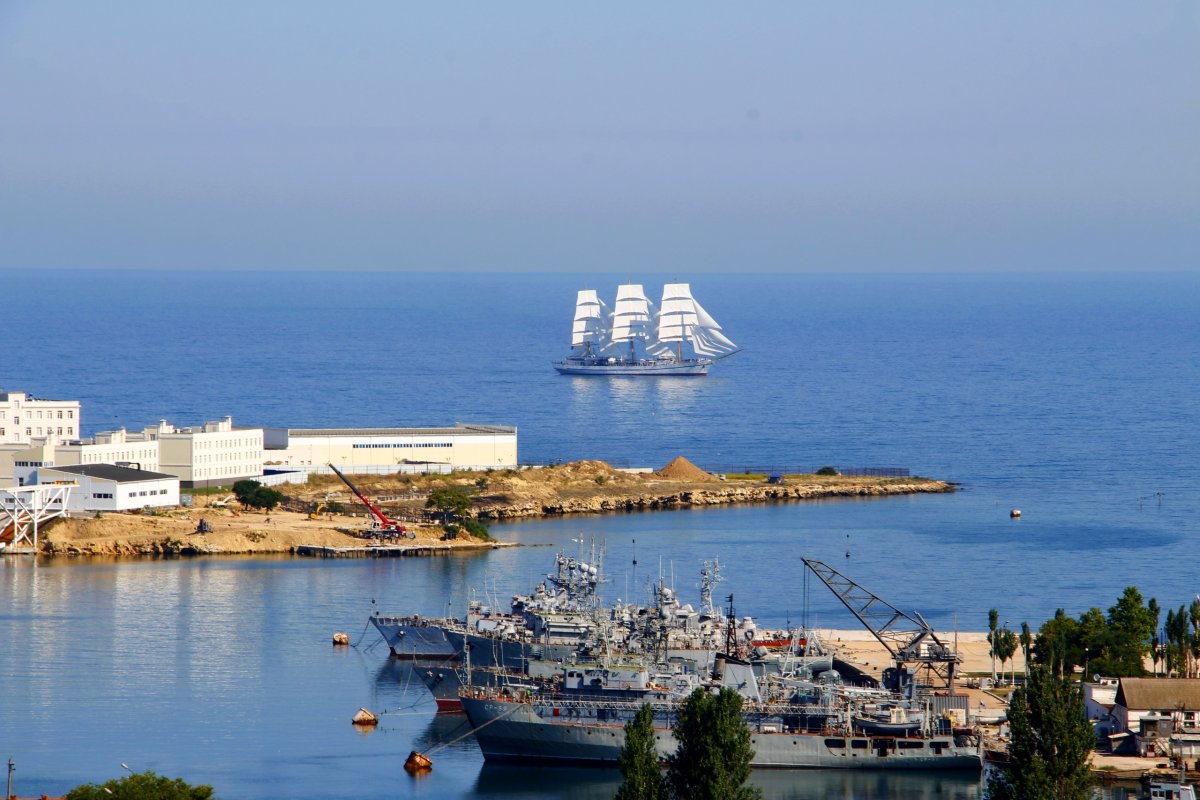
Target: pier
x,y
389,550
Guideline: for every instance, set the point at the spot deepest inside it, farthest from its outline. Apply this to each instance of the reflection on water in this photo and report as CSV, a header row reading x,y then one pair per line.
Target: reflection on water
x,y
524,781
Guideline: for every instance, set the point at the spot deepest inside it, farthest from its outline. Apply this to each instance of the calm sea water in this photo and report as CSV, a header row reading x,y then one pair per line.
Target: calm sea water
x,y
1072,398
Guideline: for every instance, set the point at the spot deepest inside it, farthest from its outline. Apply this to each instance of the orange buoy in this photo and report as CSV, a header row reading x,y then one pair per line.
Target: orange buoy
x,y
418,762
364,717
340,639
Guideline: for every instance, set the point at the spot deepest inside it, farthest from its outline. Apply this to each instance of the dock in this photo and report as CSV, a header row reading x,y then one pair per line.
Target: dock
x,y
390,550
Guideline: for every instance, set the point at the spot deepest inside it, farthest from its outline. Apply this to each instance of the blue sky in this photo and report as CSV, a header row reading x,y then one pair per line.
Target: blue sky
x,y
680,137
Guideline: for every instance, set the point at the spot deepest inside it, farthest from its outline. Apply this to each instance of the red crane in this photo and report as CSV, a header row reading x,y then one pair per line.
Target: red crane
x,y
381,522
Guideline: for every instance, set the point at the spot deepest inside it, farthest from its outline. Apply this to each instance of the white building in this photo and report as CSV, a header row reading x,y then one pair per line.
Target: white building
x,y
129,448
215,454
113,447
385,450
24,418
107,487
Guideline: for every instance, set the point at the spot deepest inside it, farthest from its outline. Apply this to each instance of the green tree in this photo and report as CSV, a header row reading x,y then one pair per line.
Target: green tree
x,y
1026,645
1004,645
253,494
1057,644
1177,645
1050,745
1093,636
993,626
712,758
643,778
1155,643
450,501
1127,640
141,786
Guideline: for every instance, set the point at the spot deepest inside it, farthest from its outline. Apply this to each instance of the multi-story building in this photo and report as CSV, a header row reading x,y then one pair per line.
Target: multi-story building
x,y
214,454
132,449
383,450
24,418
136,449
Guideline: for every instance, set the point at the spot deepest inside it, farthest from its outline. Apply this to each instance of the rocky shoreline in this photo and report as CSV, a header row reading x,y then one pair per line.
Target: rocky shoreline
x,y
583,487
725,495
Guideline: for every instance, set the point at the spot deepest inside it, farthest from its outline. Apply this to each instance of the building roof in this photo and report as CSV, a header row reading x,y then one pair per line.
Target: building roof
x,y
111,472
459,430
1160,694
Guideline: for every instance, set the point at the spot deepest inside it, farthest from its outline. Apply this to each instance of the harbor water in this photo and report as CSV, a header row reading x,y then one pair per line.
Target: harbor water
x,y
1071,398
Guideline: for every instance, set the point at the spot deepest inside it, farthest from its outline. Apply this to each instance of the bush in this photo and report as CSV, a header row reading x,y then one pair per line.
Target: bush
x,y
141,786
827,471
478,529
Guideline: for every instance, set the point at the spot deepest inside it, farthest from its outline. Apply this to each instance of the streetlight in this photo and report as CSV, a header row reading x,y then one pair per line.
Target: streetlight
x,y
126,766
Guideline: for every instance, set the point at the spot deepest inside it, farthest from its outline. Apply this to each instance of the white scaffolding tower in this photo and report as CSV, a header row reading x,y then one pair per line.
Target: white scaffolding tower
x,y
24,508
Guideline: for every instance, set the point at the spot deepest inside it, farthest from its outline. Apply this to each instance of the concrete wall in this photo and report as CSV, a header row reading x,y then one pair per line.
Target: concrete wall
x,y
388,452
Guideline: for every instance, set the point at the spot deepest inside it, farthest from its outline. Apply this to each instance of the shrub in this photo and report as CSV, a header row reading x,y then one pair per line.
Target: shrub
x,y
478,529
827,471
141,786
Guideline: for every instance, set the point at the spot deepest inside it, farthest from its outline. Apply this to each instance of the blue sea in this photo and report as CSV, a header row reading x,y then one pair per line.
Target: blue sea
x,y
1071,397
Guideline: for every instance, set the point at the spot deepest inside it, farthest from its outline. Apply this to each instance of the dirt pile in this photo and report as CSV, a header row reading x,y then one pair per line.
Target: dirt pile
x,y
680,469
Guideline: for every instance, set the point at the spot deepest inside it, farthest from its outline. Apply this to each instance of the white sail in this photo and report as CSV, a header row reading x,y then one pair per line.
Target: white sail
x,y
677,314
707,336
682,319
631,313
588,325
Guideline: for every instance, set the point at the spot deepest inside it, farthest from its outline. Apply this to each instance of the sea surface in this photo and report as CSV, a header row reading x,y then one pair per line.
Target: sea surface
x,y
1073,398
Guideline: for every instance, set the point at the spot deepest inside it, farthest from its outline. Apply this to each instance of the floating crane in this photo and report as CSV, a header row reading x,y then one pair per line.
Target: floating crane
x,y
381,524
911,641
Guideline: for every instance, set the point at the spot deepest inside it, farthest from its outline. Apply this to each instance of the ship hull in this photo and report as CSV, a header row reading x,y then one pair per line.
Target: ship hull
x,y
649,370
516,731
411,637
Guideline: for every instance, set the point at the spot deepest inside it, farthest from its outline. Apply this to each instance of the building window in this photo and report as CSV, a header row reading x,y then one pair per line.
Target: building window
x,y
60,431
60,414
29,431
70,415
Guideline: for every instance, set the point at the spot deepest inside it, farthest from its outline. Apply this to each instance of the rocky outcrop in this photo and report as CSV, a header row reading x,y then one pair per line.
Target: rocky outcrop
x,y
166,547
706,496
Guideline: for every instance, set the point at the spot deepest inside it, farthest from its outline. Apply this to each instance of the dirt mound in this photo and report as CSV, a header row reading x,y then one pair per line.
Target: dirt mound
x,y
680,469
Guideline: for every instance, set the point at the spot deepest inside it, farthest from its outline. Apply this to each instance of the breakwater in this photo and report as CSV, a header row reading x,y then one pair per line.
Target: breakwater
x,y
717,495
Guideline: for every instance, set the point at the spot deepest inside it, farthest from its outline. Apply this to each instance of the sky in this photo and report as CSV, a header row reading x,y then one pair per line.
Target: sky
x,y
777,137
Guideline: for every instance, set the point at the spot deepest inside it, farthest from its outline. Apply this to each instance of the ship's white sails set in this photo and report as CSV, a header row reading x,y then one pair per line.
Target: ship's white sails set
x,y
678,320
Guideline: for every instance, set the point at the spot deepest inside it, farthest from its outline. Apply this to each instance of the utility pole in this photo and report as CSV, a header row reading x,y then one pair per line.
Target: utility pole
x,y
9,793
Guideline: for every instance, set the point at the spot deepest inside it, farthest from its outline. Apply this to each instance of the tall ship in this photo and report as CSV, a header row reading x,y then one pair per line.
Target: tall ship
x,y
679,338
